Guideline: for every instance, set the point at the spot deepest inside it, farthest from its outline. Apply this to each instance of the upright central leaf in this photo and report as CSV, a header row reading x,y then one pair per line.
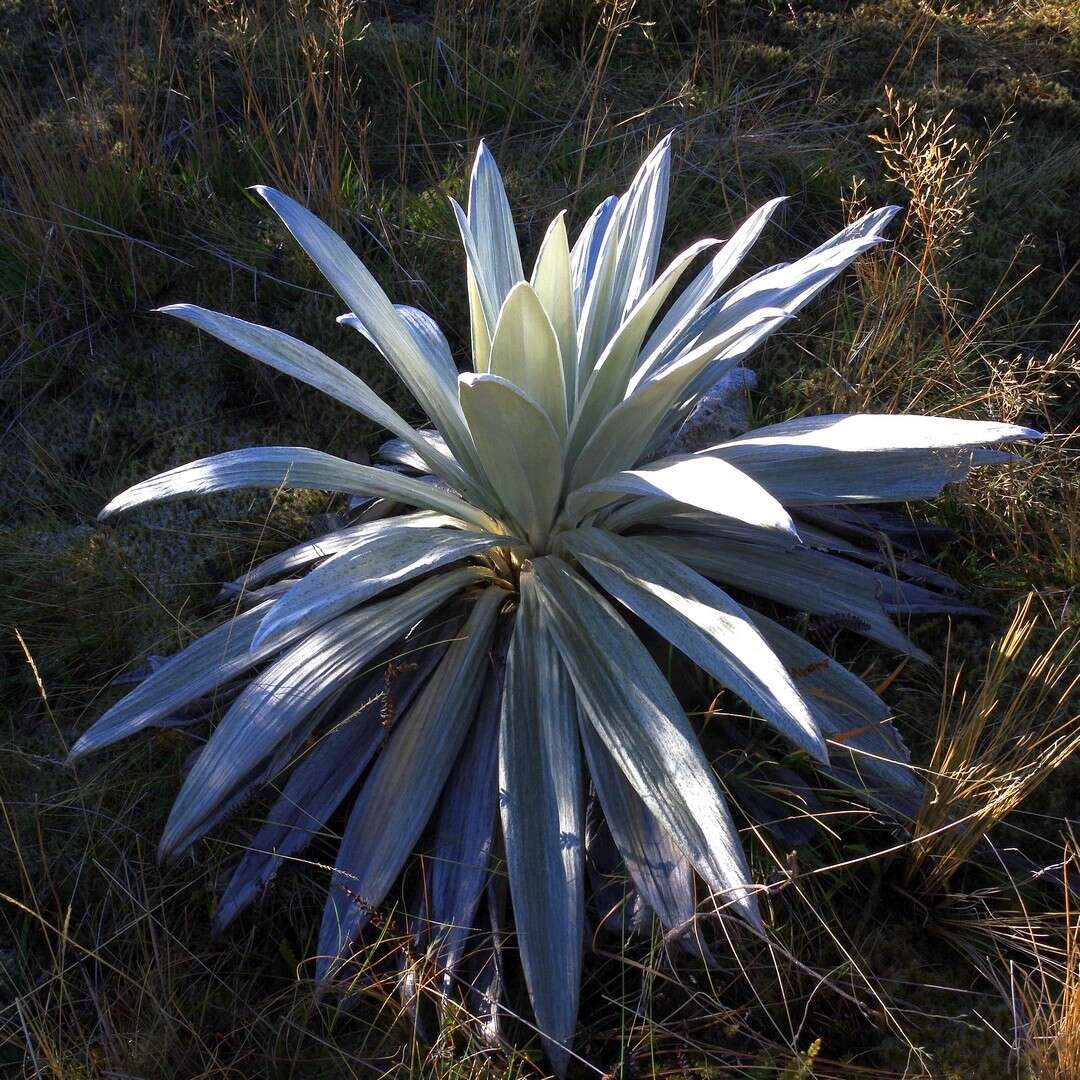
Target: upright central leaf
x,y
521,451
525,352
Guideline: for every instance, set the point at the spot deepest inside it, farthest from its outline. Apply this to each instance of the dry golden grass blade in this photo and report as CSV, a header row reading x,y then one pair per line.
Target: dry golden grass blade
x,y
1050,996
997,740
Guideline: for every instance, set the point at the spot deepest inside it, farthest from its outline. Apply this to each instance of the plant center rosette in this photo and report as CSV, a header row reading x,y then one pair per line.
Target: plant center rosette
x,y
461,678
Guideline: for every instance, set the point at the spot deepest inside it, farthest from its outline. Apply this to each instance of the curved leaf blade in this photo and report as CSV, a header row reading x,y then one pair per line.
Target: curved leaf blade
x,y
525,352
520,449
289,689
607,384
542,797
633,708
665,339
492,225
799,578
394,338
701,621
329,770
553,283
378,563
197,670
464,831
290,467
856,723
689,480
659,870
384,826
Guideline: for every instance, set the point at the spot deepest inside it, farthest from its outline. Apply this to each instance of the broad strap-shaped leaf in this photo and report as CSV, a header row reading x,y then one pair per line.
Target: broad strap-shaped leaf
x,y
197,670
328,771
606,386
521,450
805,476
659,870
876,432
264,773
552,281
405,782
493,227
683,479
866,457
245,600
425,332
290,467
631,705
381,562
622,435
464,831
288,690
525,352
641,215
692,300
302,361
361,292
701,621
799,578
542,798
332,543
872,223
789,286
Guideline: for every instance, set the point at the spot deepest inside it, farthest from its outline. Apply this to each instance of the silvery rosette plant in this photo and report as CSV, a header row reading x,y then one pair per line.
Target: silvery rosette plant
x,y
464,673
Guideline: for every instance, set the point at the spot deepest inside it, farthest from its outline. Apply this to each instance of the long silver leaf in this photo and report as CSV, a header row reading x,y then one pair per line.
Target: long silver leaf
x,y
687,480
703,288
354,283
493,226
659,870
289,689
464,831
306,363
701,621
623,434
380,562
290,467
331,543
197,670
799,578
631,705
399,795
329,770
542,799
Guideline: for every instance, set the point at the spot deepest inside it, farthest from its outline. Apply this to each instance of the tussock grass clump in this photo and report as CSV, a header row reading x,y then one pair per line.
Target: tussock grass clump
x,y
995,743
